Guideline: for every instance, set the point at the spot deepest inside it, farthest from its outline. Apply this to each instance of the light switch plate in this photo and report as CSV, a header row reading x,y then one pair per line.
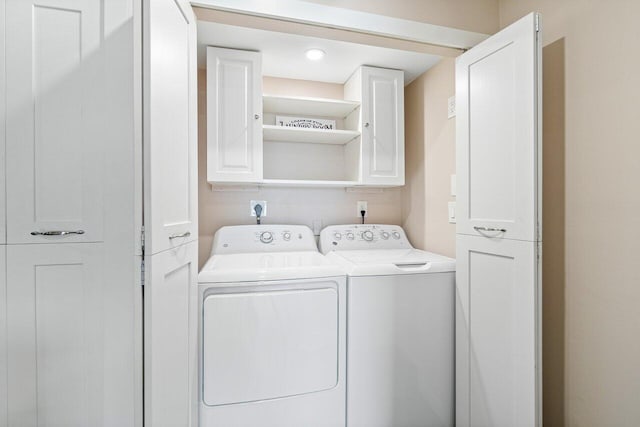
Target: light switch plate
x,y
453,185
452,212
451,107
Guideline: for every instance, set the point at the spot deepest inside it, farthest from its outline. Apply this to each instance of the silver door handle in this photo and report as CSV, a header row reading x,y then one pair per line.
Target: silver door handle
x,y
177,236
501,230
366,125
56,233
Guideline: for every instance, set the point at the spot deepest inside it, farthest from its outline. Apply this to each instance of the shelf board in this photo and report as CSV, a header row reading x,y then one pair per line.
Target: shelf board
x,y
307,183
308,106
313,136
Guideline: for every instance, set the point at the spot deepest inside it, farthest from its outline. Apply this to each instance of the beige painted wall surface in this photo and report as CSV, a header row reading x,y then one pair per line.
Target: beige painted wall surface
x,y
430,160
472,15
284,205
594,44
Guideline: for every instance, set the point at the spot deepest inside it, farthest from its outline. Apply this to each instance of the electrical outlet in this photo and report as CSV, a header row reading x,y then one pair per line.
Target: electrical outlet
x,y
451,107
253,204
362,206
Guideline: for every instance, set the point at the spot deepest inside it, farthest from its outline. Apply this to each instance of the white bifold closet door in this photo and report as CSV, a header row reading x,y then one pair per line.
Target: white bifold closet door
x,y
171,230
498,370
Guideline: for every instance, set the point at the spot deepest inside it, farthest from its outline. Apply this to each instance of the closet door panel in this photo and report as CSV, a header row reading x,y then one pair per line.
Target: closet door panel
x,y
170,123
170,337
55,121
55,334
3,219
3,337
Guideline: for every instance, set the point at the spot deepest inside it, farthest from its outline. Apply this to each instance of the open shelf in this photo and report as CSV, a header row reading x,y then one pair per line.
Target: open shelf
x,y
308,106
314,136
307,183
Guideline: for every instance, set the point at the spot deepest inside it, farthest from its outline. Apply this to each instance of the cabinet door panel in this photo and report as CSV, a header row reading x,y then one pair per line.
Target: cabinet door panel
x,y
170,123
234,109
170,337
3,337
497,332
56,119
497,128
383,126
3,223
55,334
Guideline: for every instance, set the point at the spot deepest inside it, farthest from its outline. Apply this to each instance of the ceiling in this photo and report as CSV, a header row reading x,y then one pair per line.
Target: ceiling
x,y
283,54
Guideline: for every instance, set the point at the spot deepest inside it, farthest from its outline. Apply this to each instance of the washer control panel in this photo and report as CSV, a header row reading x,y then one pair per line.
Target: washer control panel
x,y
363,236
263,238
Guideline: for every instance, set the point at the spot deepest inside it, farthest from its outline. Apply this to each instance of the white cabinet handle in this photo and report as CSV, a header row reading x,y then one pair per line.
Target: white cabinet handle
x,y
56,233
501,230
177,236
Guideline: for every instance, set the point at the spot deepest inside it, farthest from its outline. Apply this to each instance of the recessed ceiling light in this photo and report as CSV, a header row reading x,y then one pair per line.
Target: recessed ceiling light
x,y
315,54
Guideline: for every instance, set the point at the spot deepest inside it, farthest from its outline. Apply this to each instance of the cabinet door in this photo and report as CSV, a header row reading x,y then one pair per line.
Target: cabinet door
x,y
55,352
497,128
382,126
234,111
497,330
56,120
171,337
3,117
170,124
3,337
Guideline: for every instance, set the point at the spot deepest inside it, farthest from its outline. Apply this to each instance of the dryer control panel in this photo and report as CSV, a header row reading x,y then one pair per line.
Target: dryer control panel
x,y
263,238
354,237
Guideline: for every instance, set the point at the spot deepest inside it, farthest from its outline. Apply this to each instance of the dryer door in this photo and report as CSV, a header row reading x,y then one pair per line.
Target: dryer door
x,y
267,345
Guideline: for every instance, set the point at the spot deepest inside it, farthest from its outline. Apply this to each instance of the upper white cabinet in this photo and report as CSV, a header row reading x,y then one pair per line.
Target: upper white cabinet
x,y
56,120
170,123
234,115
381,121
364,145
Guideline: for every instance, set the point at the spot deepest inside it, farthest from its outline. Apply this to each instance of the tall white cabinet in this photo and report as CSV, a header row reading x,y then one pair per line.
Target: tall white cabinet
x,y
245,144
70,288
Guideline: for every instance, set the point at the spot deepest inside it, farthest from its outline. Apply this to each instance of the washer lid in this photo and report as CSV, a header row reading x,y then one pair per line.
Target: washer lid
x,y
382,262
253,267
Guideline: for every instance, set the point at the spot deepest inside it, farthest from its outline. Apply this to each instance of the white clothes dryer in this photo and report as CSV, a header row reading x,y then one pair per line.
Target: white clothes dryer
x,y
272,331
400,327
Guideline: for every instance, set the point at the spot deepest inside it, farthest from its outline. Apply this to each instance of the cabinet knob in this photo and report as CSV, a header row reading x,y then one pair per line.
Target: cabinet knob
x,y
366,125
257,116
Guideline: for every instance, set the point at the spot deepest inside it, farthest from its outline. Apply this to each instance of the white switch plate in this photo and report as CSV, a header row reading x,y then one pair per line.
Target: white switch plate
x,y
452,212
451,107
453,185
362,206
252,205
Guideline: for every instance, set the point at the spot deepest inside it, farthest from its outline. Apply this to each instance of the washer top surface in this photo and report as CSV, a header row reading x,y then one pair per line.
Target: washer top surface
x,y
378,250
252,253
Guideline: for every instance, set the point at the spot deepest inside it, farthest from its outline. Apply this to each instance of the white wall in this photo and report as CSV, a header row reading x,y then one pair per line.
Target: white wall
x,y
284,205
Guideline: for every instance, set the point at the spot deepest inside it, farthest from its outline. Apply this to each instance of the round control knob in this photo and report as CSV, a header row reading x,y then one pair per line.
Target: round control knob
x,y
384,235
350,236
337,236
396,235
266,237
367,235
286,236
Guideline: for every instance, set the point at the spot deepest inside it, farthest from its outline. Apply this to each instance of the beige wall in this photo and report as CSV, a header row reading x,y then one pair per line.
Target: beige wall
x,y
472,15
592,87
284,205
430,159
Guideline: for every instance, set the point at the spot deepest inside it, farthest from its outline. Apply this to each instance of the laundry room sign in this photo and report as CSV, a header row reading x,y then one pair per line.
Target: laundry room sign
x,y
302,122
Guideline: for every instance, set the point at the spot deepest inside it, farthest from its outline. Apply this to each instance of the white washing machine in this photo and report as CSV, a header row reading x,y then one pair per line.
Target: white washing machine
x,y
272,331
400,327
